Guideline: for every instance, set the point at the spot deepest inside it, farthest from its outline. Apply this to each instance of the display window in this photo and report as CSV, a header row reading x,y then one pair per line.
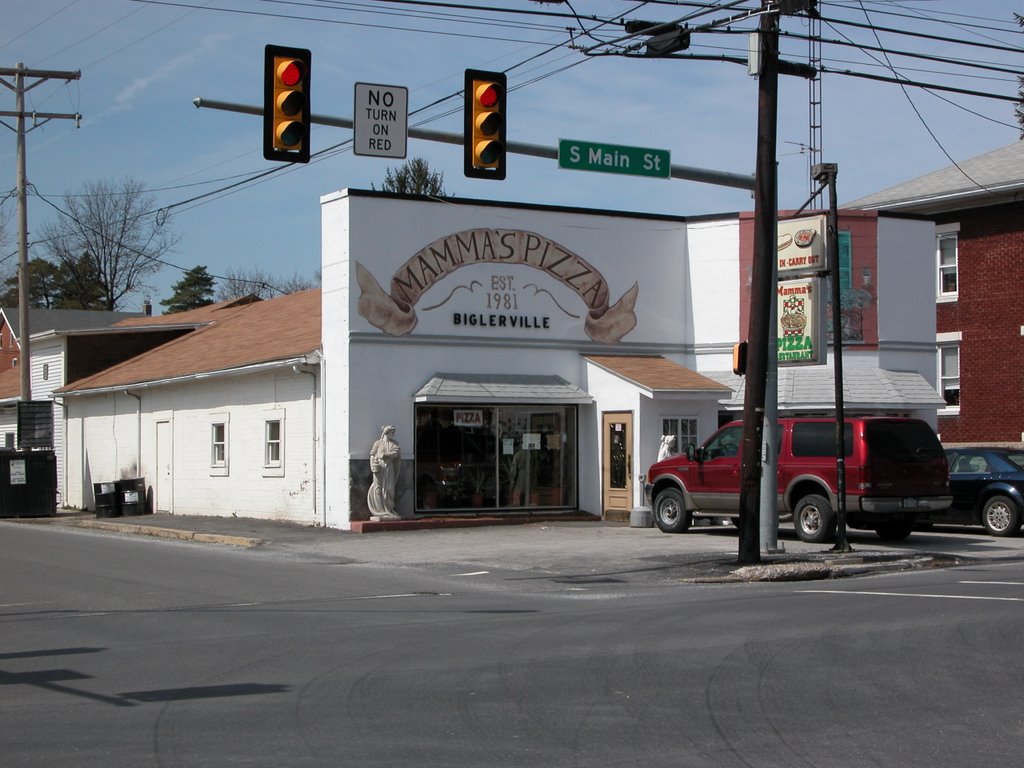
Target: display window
x,y
485,457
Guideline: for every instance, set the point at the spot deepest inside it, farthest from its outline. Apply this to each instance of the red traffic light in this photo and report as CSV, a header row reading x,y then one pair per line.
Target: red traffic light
x,y
484,125
286,104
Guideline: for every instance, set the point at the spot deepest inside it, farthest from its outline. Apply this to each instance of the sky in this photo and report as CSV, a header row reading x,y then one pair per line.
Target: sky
x,y
143,63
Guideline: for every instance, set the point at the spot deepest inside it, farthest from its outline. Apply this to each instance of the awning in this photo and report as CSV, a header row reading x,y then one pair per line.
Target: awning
x,y
500,388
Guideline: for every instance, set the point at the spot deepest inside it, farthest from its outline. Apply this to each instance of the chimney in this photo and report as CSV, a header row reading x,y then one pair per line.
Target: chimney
x,y
147,307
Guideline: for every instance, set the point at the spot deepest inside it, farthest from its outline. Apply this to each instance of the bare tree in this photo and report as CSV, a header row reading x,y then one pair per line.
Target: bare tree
x,y
239,282
109,241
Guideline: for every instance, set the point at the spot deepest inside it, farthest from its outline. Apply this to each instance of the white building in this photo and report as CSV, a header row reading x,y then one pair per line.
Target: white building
x,y
529,358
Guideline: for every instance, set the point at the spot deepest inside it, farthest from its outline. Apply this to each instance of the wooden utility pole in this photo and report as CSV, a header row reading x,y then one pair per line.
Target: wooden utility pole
x,y
19,73
762,289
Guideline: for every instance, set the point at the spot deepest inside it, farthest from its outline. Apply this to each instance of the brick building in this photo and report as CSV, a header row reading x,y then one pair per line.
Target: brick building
x,y
978,210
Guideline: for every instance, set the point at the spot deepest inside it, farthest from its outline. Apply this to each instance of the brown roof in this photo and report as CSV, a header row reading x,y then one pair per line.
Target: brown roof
x,y
198,316
657,373
233,337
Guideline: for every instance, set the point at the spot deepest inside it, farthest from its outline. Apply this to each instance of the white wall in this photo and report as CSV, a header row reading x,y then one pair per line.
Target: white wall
x,y
46,376
714,259
906,296
108,426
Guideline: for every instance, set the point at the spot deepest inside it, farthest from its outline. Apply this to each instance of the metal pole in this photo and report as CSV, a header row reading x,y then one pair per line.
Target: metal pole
x,y
25,357
762,290
827,172
687,172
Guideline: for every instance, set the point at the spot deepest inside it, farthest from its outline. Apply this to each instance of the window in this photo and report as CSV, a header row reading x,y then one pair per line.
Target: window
x,y
46,371
272,444
949,373
219,444
946,248
482,456
818,438
683,429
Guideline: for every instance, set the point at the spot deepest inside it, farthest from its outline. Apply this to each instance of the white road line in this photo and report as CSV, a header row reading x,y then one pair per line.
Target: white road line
x,y
471,573
910,594
999,583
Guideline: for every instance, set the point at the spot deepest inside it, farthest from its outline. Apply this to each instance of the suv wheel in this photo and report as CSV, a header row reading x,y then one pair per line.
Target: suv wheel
x,y
1000,516
670,513
814,520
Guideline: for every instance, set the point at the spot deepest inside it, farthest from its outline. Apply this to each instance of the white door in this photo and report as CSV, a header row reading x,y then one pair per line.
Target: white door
x,y
164,466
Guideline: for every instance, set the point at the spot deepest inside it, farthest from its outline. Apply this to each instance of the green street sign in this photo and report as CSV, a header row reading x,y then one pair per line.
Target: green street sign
x,y
614,158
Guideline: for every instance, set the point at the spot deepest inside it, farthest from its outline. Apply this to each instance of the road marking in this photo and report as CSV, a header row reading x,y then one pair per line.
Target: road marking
x,y
911,594
471,573
1000,583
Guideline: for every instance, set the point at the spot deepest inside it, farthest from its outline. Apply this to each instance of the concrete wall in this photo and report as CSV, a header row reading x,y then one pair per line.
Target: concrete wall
x,y
112,428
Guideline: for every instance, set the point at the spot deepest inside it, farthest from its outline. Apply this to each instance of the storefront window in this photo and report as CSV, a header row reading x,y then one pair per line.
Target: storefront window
x,y
495,457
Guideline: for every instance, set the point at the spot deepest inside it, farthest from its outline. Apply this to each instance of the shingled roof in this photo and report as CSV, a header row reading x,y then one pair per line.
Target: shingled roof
x,y
230,339
989,179
657,374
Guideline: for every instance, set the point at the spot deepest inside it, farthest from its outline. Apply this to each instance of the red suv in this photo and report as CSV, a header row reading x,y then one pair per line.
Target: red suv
x,y
895,468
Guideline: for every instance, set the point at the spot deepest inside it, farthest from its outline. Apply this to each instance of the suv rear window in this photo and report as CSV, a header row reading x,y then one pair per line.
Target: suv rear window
x,y
902,441
819,439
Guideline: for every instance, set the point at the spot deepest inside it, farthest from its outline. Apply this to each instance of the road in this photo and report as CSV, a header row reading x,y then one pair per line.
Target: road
x,y
135,652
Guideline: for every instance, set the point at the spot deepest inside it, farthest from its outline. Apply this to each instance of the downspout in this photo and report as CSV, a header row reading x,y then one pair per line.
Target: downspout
x,y
312,415
138,430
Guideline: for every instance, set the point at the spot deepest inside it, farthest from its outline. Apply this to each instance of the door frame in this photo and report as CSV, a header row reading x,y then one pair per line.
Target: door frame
x,y
617,513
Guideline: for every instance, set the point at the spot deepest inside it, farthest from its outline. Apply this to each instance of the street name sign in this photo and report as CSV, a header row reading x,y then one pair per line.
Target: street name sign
x,y
614,158
380,125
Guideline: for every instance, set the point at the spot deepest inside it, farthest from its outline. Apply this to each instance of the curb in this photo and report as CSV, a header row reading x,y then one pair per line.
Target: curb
x,y
168,533
829,569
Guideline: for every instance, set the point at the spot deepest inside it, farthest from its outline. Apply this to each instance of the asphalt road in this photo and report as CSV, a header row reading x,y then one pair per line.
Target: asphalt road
x,y
130,651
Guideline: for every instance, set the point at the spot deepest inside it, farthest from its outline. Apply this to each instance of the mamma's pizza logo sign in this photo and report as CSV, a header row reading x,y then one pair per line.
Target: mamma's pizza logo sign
x,y
394,311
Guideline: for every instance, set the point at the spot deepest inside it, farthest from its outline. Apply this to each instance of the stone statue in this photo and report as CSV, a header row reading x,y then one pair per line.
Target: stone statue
x,y
385,459
668,442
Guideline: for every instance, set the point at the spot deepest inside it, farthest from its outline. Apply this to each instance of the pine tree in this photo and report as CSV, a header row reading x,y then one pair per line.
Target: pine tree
x,y
195,289
414,177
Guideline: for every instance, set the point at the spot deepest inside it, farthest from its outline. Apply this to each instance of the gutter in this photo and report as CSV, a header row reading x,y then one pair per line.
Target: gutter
x,y
120,387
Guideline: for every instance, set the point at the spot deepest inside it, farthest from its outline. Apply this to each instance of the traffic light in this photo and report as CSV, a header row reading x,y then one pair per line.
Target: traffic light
x,y
739,358
483,141
286,105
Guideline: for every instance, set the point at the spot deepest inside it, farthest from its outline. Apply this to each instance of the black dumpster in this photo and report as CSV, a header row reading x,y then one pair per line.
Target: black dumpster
x,y
106,500
28,484
131,494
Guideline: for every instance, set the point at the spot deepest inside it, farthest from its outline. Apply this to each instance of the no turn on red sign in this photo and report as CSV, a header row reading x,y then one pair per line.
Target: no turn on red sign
x,y
380,124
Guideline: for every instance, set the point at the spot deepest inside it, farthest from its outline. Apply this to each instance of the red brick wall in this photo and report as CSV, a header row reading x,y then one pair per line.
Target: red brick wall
x,y
989,314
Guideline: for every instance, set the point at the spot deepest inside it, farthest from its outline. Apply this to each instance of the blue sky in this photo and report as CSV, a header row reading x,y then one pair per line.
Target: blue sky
x,y
143,63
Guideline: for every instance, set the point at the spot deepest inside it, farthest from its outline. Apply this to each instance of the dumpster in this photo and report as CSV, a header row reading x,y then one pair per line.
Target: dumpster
x,y
131,495
106,500
28,483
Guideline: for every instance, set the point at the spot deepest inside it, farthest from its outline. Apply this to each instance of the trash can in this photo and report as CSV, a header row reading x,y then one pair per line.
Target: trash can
x,y
106,500
131,494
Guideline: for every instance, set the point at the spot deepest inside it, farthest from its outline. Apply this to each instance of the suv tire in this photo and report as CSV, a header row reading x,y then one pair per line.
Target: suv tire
x,y
814,520
670,513
1000,516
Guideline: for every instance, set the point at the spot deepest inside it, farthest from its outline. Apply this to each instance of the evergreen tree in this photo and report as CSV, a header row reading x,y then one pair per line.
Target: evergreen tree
x,y
195,289
414,177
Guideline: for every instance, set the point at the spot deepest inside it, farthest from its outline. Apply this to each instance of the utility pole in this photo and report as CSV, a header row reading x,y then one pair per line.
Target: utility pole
x,y
19,73
762,289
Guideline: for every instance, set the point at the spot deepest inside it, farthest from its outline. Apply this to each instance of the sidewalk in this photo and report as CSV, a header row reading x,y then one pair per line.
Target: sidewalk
x,y
552,546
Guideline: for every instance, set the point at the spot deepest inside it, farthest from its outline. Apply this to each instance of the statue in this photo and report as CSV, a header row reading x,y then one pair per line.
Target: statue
x,y
385,458
668,442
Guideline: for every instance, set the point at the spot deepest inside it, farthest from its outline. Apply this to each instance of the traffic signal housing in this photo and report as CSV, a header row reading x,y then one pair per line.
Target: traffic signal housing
x,y
483,141
286,105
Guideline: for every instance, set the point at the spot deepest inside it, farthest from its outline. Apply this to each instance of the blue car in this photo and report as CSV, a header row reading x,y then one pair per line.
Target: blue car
x,y
987,485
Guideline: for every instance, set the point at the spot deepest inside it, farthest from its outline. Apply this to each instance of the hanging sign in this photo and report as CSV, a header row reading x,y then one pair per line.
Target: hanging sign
x,y
801,308
801,246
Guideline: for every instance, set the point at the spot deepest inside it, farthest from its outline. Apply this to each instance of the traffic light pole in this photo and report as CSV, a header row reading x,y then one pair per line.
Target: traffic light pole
x,y
688,173
19,73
